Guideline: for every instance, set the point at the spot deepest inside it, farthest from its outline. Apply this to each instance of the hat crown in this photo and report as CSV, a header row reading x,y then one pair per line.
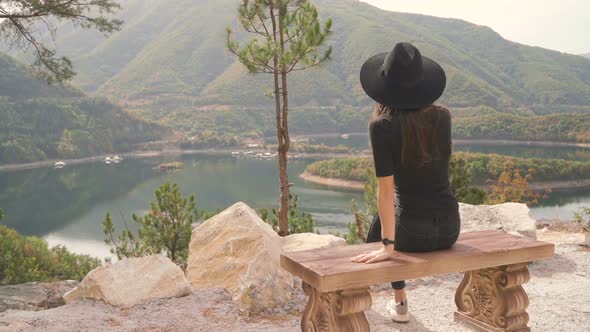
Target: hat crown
x,y
403,66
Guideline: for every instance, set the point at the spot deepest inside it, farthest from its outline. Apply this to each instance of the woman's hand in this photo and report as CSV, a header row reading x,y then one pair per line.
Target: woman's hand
x,y
374,256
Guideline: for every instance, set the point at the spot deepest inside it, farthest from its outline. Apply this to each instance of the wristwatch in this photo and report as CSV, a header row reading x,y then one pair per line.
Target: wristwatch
x,y
387,241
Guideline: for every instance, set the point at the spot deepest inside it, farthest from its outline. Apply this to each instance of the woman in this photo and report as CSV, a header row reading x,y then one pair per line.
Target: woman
x,y
411,143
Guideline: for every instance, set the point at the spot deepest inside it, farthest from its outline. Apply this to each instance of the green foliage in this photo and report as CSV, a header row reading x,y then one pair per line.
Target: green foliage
x,y
353,168
166,229
21,19
357,230
299,221
461,182
583,217
289,33
24,259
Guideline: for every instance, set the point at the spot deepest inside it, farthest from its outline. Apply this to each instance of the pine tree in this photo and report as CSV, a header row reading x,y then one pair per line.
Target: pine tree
x,y
288,37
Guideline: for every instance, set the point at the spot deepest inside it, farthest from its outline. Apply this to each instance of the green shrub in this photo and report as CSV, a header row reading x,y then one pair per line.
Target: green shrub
x,y
461,182
299,221
583,217
359,227
28,258
166,229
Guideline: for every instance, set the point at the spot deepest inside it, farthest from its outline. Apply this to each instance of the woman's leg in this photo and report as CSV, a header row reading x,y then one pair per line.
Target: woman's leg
x,y
374,235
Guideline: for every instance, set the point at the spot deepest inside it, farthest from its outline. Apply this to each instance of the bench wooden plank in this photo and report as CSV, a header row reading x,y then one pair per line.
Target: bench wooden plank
x,y
336,252
331,269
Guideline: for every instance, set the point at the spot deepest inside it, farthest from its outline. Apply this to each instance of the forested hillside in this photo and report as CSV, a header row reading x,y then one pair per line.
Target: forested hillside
x,y
486,123
166,60
169,64
38,121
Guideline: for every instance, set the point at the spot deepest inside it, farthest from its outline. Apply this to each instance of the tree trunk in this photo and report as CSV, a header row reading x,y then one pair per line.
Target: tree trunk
x,y
283,155
281,132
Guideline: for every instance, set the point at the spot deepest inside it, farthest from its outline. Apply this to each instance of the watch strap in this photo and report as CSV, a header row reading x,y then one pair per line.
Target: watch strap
x,y
387,241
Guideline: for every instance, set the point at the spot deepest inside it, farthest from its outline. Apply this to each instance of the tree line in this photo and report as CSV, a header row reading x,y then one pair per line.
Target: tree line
x,y
482,166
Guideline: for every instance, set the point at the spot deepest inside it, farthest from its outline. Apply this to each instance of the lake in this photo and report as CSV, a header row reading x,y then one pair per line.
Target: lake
x,y
67,206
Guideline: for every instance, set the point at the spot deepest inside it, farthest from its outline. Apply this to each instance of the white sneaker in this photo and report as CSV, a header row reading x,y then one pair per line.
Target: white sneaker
x,y
398,312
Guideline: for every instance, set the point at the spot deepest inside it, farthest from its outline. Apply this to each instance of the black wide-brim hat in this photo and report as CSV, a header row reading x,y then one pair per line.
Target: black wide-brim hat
x,y
403,78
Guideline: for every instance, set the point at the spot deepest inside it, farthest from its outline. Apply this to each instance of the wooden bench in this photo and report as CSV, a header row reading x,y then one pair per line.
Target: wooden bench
x,y
489,297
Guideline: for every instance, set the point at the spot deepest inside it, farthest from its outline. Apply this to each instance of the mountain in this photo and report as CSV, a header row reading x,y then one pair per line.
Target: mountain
x,y
39,121
169,64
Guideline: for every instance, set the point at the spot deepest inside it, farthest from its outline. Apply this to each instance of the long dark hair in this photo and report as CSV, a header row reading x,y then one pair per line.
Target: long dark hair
x,y
419,131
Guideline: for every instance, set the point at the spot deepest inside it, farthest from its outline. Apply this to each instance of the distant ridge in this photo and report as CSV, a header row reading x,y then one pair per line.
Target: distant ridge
x,y
587,55
165,56
169,64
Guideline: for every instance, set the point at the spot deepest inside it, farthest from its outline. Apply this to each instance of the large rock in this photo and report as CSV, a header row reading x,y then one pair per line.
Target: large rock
x,y
513,218
307,241
238,251
131,281
34,295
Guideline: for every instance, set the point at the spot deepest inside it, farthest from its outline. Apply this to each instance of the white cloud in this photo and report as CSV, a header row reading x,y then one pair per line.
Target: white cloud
x,y
560,25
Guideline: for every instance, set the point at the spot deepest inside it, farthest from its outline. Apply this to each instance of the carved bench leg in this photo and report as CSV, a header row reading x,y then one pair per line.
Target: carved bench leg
x,y
339,311
493,299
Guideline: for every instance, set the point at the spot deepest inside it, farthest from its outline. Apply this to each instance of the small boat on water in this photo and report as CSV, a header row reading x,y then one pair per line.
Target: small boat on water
x,y
59,164
108,160
117,159
345,136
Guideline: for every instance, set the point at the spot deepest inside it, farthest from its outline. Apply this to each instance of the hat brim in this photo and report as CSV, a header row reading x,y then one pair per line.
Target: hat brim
x,y
426,92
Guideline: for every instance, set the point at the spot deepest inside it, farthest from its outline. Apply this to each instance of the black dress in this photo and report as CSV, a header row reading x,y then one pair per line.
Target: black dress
x,y
427,213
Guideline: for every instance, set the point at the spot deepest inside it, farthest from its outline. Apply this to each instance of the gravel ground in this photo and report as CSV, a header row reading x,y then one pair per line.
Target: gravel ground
x,y
558,291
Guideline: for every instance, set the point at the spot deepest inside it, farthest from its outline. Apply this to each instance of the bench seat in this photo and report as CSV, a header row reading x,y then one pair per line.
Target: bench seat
x,y
490,295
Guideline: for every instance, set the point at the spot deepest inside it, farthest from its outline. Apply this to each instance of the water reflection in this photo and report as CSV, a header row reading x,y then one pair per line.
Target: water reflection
x,y
69,205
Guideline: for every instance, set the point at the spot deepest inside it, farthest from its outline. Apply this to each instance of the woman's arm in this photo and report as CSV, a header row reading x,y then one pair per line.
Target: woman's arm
x,y
386,205
381,136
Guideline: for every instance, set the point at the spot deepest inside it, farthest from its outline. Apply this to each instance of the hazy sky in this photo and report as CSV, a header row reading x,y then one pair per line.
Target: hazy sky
x,y
562,25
